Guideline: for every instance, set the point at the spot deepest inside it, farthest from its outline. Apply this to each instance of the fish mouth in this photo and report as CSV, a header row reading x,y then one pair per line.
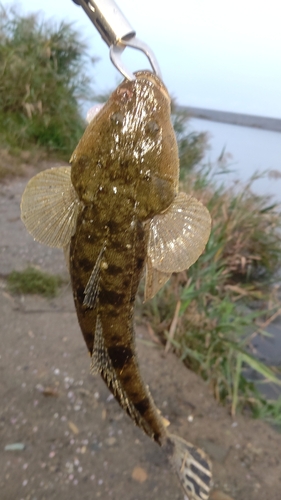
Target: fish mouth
x,y
153,78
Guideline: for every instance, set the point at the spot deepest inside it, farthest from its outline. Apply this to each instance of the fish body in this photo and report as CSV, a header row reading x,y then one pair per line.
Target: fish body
x,y
116,213
136,176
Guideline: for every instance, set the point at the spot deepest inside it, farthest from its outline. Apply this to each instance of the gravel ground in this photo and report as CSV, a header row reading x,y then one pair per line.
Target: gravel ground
x,y
76,442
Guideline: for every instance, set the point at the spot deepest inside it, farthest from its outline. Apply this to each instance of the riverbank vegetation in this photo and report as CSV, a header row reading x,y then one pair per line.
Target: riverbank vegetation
x,y
210,314
34,281
42,78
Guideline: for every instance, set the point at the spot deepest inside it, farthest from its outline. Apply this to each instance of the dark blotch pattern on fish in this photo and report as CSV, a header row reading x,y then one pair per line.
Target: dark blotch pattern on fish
x,y
87,264
143,405
80,293
115,270
111,297
119,355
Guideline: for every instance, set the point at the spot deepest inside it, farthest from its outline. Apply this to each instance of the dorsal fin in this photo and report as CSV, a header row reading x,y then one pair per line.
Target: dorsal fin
x,y
92,287
102,364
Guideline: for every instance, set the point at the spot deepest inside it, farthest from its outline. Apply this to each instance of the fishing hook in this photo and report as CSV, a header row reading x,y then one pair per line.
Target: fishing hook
x,y
117,33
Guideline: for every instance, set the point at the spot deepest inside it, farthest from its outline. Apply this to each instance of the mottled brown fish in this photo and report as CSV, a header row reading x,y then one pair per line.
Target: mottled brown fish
x,y
116,211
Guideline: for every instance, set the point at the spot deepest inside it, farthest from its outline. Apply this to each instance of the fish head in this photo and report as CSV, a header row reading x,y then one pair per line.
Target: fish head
x,y
129,141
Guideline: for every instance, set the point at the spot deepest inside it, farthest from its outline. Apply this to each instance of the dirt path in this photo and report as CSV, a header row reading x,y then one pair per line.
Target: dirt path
x,y
78,444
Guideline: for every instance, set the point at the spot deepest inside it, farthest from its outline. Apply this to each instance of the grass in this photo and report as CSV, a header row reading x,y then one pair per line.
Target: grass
x,y
42,78
268,410
34,281
210,314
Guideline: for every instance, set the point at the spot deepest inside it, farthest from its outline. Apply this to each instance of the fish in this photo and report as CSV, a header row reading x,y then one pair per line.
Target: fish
x,y
117,213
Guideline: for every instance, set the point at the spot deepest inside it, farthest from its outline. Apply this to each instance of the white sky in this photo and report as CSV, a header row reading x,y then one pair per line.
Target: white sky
x,y
213,53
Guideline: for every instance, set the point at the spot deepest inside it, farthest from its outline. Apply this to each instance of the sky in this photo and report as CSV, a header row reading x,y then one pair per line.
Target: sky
x,y
213,54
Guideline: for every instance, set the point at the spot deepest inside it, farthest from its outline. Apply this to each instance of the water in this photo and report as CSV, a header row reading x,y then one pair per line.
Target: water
x,y
248,150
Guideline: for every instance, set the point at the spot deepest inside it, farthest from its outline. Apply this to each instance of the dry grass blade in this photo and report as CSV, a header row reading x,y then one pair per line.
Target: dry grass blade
x,y
272,318
173,327
152,334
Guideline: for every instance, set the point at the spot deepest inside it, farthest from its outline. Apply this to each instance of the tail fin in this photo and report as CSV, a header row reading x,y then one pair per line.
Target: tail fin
x,y
192,466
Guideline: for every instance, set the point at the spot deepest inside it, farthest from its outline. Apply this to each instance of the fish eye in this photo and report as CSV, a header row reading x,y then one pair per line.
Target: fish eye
x,y
152,127
117,118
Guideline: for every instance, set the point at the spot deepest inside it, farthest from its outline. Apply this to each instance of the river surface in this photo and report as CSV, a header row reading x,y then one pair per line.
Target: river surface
x,y
247,150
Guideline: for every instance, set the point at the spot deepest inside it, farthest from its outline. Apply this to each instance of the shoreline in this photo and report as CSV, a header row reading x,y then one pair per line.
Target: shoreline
x,y
244,120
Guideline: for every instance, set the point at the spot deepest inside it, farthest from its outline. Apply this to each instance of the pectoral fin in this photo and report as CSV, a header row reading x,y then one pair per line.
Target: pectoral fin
x,y
154,280
178,236
49,207
66,252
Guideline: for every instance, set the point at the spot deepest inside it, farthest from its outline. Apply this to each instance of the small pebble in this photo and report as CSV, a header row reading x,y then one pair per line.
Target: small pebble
x,y
139,474
219,495
110,441
14,447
